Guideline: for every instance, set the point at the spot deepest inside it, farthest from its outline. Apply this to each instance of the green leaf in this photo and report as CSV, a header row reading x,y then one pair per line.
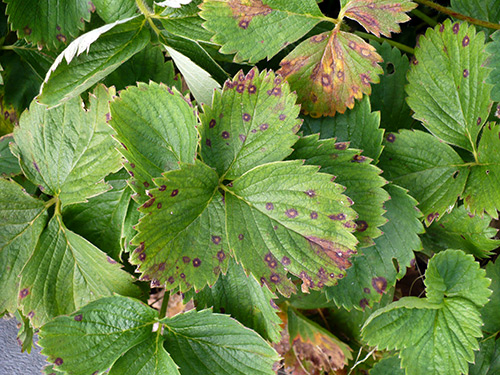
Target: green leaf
x,y
484,10
431,170
354,171
252,122
389,96
44,22
38,61
25,333
255,30
374,270
437,334
22,219
256,310
487,361
380,17
101,220
389,365
462,230
482,192
200,82
446,88
66,272
114,10
206,343
67,150
9,165
157,128
359,127
181,238
493,49
285,216
91,57
491,311
330,70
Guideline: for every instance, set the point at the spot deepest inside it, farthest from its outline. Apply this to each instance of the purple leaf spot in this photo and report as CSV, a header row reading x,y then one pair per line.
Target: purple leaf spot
x,y
196,262
291,213
269,206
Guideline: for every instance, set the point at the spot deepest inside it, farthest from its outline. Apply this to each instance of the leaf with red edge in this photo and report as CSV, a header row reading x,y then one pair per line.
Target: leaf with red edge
x,y
330,70
378,16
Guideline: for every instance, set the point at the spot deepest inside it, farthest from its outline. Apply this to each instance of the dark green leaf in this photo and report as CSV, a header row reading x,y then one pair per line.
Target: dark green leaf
x,y
491,312
9,165
484,10
389,365
114,10
487,361
494,62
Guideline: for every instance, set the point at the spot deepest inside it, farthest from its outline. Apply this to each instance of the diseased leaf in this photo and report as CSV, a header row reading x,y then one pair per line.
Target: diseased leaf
x,y
436,334
68,151
330,70
205,343
66,272
285,216
245,300
22,219
493,49
254,29
378,16
376,269
9,165
252,122
359,127
431,170
44,22
157,128
491,311
114,10
91,57
26,332
446,88
487,360
354,171
485,10
461,230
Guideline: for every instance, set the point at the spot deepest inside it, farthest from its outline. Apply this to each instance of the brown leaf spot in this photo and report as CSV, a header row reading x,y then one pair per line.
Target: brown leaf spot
x,y
149,203
358,158
391,138
363,303
340,216
240,88
479,120
61,38
186,259
244,24
246,117
142,256
171,280
208,142
314,215
241,236
275,278
366,290
246,11
341,145
78,317
58,361
225,135
269,206
361,225
282,117
212,123
441,28
291,213
196,262
140,248
27,30
252,89
379,284
465,41
456,28
110,260
326,80
466,73
216,240
310,193
31,314
338,253
243,137
285,261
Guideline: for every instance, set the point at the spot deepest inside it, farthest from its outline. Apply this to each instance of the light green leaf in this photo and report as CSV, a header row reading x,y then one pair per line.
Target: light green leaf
x,y
285,216
91,57
491,311
493,49
437,334
354,171
389,365
487,361
252,122
389,95
359,127
114,10
157,128
101,219
200,82
45,22
330,70
181,240
446,88
22,219
461,230
66,150
482,192
431,170
9,165
380,17
373,270
205,343
255,29
244,299
484,10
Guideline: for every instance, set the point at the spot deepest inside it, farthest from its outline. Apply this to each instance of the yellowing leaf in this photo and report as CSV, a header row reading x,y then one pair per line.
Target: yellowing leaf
x,y
330,70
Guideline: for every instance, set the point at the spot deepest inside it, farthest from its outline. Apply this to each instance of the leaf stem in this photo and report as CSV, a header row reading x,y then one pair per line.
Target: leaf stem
x,y
459,16
424,17
148,13
164,305
400,46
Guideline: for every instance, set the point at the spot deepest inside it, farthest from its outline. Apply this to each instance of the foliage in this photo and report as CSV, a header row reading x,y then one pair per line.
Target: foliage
x,y
293,167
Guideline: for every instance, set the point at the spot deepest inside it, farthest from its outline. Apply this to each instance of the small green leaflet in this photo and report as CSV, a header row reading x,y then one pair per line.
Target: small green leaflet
x,y
40,22
491,311
135,345
157,129
9,165
494,62
436,335
68,151
254,29
461,230
91,57
114,10
378,16
252,122
22,219
487,360
446,88
244,299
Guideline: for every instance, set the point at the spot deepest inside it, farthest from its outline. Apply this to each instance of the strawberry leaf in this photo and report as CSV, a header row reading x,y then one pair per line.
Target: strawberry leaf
x,y
487,360
436,334
493,49
114,10
491,311
330,70
255,29
485,10
446,88
378,17
9,165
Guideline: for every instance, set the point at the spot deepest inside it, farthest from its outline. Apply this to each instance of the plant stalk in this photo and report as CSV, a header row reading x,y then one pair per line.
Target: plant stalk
x,y
424,17
164,305
400,46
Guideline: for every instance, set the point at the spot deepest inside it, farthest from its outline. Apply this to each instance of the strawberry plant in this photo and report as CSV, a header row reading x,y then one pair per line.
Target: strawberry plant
x,y
252,186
